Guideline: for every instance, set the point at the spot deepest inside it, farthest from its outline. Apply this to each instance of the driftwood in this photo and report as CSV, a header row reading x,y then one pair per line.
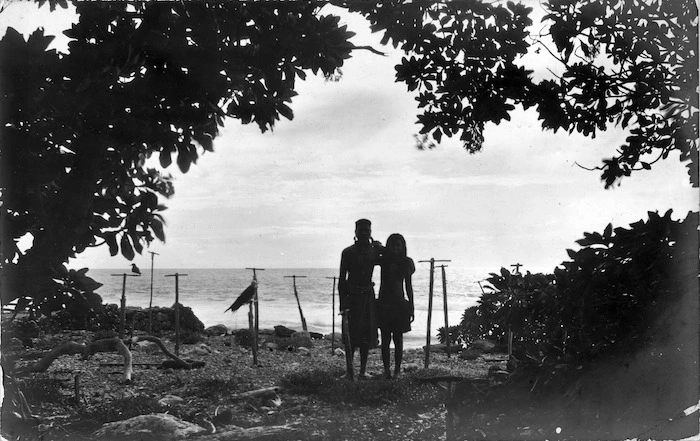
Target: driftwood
x,y
70,347
257,392
259,433
105,345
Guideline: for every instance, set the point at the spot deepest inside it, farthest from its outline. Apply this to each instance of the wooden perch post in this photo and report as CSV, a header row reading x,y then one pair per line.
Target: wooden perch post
x,y
122,311
430,306
333,314
444,307
296,294
253,314
177,310
150,302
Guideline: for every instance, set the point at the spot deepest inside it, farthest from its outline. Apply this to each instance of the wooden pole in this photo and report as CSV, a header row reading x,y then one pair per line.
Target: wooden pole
x,y
177,310
254,329
430,307
444,307
296,294
150,303
122,312
333,314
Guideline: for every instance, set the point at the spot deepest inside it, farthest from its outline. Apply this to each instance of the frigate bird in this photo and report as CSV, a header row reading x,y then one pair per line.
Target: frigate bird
x,y
245,297
135,269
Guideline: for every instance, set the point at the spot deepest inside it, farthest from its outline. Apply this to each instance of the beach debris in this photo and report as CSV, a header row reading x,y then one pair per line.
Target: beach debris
x,y
286,431
222,417
410,367
283,331
169,400
245,297
160,425
201,349
302,339
259,393
218,329
483,346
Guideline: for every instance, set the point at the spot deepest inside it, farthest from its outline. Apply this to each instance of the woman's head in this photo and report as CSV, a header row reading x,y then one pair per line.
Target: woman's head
x,y
396,245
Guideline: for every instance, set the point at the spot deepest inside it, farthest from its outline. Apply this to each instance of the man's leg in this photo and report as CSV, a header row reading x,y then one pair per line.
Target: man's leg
x,y
364,354
386,352
349,349
398,352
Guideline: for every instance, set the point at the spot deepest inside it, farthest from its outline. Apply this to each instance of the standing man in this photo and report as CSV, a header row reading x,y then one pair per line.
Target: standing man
x,y
356,291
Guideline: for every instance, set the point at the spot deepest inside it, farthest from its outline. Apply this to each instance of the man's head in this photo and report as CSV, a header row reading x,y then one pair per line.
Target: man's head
x,y
363,230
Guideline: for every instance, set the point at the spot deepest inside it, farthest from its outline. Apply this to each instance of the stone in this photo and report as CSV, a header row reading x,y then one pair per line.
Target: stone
x,y
337,336
469,354
302,339
216,330
483,346
199,350
410,367
304,351
339,352
152,426
316,335
283,331
222,418
169,400
270,346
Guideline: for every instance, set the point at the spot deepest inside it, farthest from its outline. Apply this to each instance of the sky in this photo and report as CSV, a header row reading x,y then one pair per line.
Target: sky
x,y
289,198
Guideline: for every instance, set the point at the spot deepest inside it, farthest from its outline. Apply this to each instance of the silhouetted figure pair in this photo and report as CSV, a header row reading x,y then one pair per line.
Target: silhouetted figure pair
x,y
362,313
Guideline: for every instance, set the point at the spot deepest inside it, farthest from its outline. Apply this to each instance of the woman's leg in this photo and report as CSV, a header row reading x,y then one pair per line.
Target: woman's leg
x,y
398,352
386,354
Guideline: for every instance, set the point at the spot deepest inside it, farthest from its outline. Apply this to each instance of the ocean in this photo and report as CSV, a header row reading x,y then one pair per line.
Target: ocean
x,y
209,292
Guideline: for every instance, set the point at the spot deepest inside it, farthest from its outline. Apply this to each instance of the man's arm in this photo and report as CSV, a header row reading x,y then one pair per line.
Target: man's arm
x,y
342,280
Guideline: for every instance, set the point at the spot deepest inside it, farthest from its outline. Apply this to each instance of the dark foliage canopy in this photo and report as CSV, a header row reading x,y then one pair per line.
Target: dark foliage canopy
x,y
140,79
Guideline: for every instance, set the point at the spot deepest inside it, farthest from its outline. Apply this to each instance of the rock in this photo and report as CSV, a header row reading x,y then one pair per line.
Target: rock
x,y
169,400
469,354
216,330
304,351
483,346
410,367
339,352
188,321
283,331
222,418
199,350
316,335
337,336
153,426
270,346
302,339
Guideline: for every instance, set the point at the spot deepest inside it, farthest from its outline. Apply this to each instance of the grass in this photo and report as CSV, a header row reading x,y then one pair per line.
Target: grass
x,y
404,391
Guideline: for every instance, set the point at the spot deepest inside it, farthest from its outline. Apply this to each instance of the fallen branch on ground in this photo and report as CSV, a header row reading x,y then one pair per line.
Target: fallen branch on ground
x,y
114,344
257,392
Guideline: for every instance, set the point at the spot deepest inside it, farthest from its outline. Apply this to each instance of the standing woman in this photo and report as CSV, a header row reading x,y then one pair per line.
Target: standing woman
x,y
395,311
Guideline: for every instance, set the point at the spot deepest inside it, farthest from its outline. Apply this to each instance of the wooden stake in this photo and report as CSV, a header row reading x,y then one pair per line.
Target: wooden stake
x,y
430,307
150,303
177,310
122,312
444,307
296,294
333,314
254,310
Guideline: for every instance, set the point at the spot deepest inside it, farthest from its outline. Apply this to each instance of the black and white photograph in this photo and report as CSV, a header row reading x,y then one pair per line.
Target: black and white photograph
x,y
329,220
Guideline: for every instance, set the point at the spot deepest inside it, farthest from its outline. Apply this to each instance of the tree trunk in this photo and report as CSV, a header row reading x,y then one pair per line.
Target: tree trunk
x,y
256,433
